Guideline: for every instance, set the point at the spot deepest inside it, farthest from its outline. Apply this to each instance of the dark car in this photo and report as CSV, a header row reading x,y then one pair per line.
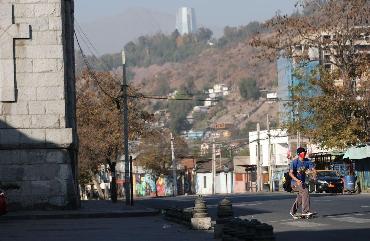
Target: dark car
x,y
326,181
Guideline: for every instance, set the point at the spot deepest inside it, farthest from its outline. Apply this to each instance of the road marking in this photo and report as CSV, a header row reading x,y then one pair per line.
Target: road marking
x,y
305,224
246,204
352,219
359,214
365,206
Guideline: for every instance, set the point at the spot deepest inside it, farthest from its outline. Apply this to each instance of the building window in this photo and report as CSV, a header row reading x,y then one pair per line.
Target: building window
x,y
204,182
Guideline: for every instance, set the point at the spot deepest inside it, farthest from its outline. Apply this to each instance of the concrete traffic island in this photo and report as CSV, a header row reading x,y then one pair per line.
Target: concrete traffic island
x,y
200,220
225,215
227,228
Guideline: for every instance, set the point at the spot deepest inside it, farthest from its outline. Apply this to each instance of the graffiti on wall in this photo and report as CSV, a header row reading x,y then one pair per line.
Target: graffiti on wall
x,y
146,185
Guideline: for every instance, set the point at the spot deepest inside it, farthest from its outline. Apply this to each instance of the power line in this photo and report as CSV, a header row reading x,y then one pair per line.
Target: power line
x,y
139,95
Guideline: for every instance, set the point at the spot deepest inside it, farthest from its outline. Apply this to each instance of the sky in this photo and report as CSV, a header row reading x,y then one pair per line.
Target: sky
x,y
208,12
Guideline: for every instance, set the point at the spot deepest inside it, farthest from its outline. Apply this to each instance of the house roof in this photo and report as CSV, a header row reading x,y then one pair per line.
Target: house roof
x,y
358,152
204,166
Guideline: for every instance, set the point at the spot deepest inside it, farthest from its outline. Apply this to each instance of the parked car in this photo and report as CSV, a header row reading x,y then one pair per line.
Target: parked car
x,y
326,181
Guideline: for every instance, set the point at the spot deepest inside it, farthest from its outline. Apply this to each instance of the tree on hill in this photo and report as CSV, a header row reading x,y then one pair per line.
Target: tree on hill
x,y
248,89
338,114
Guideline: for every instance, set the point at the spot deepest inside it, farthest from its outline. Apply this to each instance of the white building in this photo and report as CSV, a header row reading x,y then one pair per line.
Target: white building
x,y
185,20
274,160
279,147
223,178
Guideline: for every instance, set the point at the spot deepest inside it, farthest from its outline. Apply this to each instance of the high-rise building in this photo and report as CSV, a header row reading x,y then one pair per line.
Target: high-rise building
x,y
185,20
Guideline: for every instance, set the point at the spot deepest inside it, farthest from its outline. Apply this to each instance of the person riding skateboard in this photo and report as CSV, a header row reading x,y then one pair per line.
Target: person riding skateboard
x,y
297,171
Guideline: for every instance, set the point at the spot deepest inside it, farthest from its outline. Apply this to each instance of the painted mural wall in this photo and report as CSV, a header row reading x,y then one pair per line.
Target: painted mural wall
x,y
145,185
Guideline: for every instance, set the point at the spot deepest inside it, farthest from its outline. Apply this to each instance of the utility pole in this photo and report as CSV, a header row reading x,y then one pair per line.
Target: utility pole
x,y
213,166
125,130
131,184
259,181
269,153
174,167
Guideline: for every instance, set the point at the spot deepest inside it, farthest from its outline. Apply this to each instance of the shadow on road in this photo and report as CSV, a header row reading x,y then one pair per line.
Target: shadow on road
x,y
328,235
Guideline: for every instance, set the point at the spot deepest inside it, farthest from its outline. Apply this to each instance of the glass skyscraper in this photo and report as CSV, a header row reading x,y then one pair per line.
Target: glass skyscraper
x,y
185,20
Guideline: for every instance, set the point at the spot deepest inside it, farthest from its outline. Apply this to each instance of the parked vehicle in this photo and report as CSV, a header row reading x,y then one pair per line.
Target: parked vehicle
x,y
3,205
326,181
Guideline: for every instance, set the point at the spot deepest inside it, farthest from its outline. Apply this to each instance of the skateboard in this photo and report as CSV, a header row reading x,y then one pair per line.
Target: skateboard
x,y
301,216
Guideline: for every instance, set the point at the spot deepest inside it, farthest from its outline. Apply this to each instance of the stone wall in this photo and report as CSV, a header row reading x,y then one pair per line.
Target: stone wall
x,y
37,103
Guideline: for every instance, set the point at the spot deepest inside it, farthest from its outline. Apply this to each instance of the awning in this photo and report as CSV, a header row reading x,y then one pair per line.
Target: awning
x,y
358,152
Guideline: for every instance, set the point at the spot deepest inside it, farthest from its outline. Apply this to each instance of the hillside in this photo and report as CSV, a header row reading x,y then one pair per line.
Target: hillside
x,y
216,66
226,61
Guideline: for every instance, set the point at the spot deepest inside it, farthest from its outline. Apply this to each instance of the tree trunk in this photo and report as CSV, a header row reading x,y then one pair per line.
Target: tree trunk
x,y
97,184
155,183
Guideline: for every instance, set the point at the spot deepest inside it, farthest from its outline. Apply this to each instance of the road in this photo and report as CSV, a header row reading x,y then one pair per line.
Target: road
x,y
102,229
340,217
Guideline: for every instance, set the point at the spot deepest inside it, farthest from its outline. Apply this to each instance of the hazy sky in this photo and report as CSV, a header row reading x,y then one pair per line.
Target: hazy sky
x,y
209,12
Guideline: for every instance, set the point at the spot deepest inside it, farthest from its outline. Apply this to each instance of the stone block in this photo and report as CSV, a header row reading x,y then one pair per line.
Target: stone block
x,y
11,173
46,38
41,172
32,136
9,137
57,156
55,23
50,93
36,107
57,201
45,121
32,80
6,53
55,107
44,65
60,137
30,157
24,66
26,93
201,223
18,108
43,52
37,24
8,157
24,11
49,9
18,121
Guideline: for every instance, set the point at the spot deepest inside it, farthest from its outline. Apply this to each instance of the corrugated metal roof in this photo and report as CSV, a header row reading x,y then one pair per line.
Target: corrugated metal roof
x,y
358,152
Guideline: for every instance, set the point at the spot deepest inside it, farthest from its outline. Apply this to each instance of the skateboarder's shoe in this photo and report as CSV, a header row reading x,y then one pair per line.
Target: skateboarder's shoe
x,y
294,216
308,214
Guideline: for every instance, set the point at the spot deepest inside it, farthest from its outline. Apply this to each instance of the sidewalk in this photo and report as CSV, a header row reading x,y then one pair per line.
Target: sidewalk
x,y
89,209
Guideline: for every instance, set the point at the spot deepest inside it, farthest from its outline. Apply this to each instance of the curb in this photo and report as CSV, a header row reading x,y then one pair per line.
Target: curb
x,y
123,214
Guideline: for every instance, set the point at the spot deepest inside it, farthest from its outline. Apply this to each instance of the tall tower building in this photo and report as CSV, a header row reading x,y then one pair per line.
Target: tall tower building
x,y
185,20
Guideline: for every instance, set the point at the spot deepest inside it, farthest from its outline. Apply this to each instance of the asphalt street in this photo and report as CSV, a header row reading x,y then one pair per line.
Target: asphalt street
x,y
102,229
340,217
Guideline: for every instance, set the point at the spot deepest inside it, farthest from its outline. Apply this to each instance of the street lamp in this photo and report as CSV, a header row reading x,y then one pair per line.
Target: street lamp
x,y
125,129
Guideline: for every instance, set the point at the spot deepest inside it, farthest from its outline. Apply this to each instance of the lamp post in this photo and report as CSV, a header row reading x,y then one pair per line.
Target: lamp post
x,y
125,129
